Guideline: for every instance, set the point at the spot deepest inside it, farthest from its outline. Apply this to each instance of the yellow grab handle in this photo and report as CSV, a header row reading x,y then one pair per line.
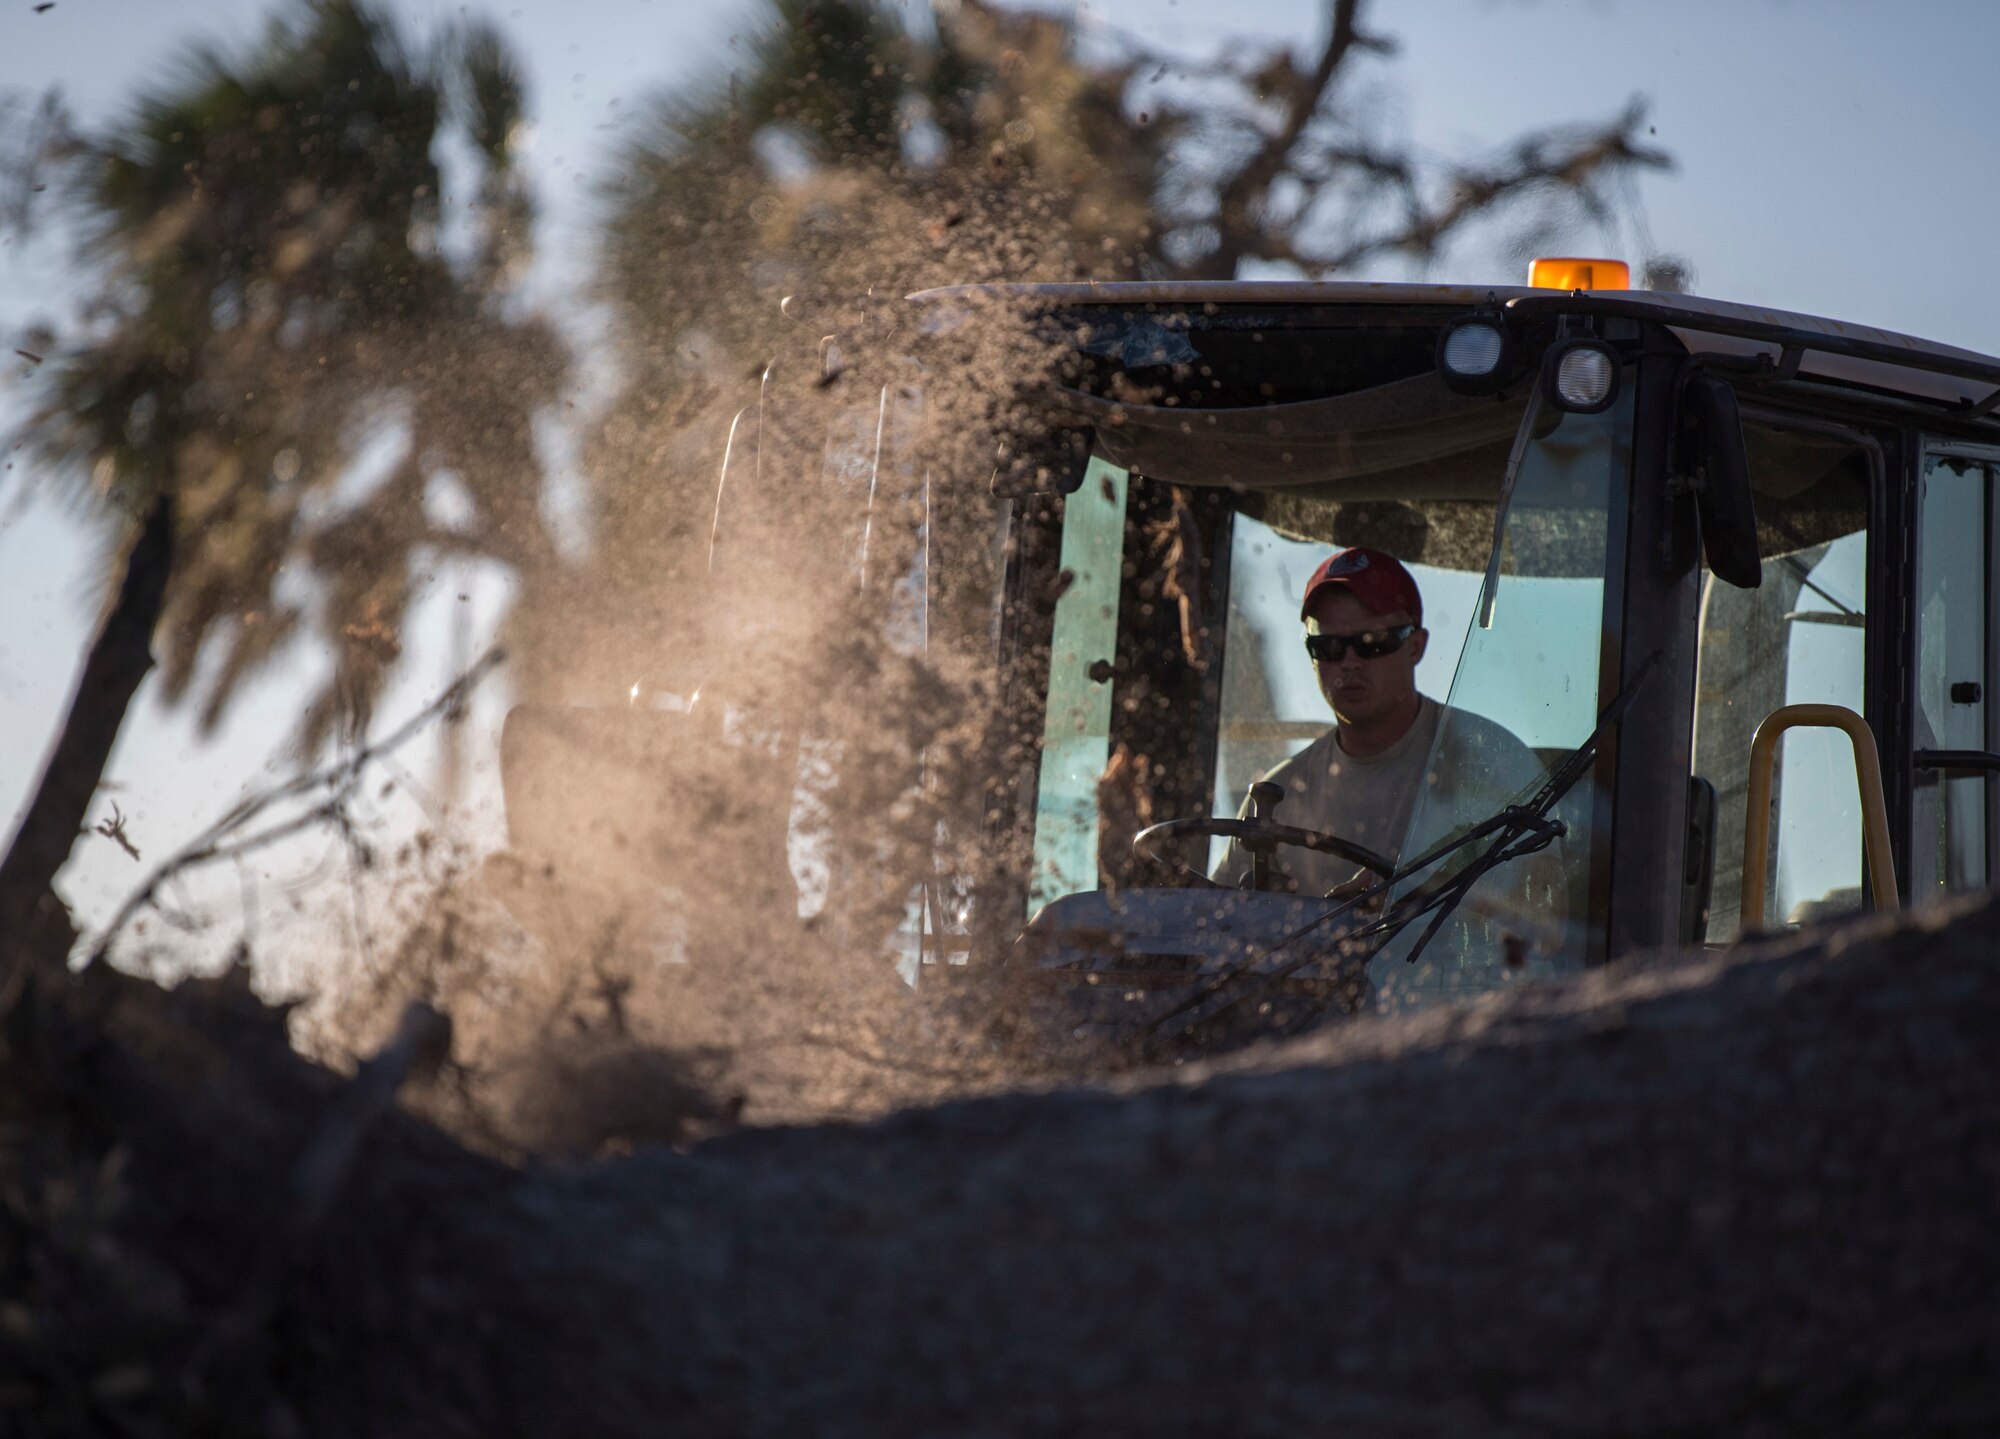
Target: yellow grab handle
x,y
1867,775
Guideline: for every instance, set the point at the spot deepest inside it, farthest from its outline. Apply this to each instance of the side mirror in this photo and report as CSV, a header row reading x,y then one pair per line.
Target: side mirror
x,y
1710,456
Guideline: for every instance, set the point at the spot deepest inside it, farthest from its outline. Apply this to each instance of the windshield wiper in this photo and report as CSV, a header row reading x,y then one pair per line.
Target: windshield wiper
x,y
1518,830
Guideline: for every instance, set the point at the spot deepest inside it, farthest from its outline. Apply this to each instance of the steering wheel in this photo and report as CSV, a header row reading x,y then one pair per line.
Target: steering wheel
x,y
1260,835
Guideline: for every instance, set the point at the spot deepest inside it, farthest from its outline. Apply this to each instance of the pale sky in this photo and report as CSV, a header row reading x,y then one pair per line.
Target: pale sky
x,y
1833,158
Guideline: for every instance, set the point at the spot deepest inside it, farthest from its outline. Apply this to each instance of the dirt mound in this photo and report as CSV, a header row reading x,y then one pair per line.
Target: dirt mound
x,y
1753,1194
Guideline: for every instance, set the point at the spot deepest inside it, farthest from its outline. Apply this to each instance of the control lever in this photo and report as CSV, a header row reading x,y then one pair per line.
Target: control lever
x,y
1265,797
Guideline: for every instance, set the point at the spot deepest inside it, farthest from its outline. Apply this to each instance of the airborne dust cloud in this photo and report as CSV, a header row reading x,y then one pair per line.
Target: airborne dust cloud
x,y
773,654
772,711
772,650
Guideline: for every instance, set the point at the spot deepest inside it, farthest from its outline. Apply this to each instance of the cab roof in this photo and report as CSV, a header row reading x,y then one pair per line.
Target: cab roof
x,y
1960,380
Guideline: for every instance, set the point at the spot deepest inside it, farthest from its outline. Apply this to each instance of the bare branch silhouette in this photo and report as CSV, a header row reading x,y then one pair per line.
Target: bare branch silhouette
x,y
335,786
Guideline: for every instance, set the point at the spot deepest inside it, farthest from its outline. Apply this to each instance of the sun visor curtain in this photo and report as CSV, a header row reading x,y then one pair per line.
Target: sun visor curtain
x,y
1390,430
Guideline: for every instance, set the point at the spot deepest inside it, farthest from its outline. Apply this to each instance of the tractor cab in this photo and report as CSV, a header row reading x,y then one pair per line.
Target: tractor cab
x,y
1719,579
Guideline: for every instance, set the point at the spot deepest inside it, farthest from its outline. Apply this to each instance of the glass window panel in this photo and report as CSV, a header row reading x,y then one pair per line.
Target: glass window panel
x,y
1271,704
1953,683
1817,838
1076,737
1799,638
1524,693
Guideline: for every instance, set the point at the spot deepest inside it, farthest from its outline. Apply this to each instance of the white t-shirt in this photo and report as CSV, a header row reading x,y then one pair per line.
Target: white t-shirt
x,y
1477,769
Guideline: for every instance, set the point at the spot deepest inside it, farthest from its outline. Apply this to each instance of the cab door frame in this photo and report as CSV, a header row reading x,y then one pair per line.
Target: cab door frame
x,y
1652,595
1651,855
1923,446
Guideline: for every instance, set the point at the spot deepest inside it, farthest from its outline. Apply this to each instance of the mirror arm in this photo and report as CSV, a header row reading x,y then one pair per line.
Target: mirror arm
x,y
1759,368
1978,409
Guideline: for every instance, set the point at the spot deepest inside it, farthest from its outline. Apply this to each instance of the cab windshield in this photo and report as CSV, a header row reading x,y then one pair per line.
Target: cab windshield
x,y
1176,650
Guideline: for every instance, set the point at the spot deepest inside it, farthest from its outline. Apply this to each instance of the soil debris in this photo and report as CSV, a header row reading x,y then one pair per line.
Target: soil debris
x,y
1769,1206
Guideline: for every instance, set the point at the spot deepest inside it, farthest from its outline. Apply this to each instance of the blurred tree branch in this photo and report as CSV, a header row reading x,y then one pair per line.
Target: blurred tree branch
x,y
315,798
1345,177
1243,198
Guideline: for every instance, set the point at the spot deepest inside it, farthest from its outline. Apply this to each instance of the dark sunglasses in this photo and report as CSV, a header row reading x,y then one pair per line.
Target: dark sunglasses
x,y
1369,644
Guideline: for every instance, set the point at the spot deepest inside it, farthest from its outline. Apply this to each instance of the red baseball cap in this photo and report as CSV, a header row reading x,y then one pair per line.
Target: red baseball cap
x,y
1378,580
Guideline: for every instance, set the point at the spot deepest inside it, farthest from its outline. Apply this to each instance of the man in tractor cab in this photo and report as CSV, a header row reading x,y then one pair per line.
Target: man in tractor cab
x,y
1361,779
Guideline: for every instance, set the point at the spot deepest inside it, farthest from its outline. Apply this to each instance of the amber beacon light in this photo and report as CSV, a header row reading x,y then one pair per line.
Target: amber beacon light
x,y
1567,272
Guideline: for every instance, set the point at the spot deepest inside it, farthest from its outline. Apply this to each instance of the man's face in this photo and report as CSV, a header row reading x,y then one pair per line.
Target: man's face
x,y
1363,690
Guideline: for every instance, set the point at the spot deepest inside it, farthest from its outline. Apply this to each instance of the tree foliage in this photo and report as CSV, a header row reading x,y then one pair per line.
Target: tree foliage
x,y
336,378
290,333
846,148
1089,156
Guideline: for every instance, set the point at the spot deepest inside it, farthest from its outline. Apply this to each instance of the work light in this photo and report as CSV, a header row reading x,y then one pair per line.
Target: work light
x,y
1475,354
1580,375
